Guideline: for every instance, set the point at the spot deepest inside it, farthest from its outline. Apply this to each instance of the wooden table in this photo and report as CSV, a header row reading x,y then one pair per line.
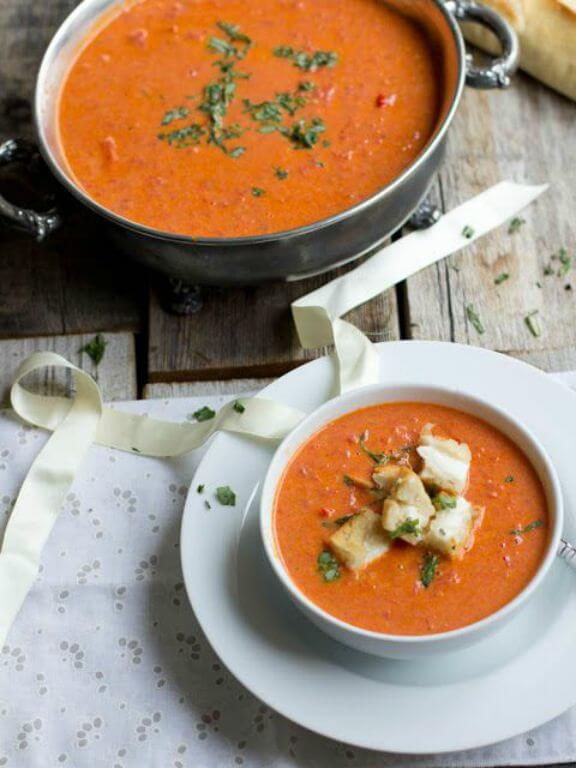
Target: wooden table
x,y
58,295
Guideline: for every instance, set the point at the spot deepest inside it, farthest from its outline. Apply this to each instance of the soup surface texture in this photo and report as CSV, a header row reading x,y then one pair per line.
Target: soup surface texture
x,y
220,119
388,595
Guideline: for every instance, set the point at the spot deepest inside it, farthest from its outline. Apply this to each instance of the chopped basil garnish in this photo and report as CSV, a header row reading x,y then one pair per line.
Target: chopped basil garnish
x,y
532,323
238,407
409,526
474,318
328,565
502,277
527,528
509,479
181,138
309,62
339,521
428,569
226,496
565,262
178,113
95,349
379,458
468,232
383,458
204,414
515,225
218,94
281,174
200,489
304,134
207,504
444,500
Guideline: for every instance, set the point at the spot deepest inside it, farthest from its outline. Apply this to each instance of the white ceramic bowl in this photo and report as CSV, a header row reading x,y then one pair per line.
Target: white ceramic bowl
x,y
410,646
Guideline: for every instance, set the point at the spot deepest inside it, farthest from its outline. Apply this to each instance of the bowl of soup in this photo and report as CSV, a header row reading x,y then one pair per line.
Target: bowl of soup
x,y
236,142
408,520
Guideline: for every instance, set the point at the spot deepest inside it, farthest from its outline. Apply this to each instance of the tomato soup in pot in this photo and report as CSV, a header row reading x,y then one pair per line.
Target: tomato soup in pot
x,y
226,119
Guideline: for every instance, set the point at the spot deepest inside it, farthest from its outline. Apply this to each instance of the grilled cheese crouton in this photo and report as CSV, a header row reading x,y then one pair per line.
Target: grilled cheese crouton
x,y
451,531
385,476
361,540
446,462
407,505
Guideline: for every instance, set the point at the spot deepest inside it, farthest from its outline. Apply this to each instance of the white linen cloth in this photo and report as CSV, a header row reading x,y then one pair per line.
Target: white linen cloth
x,y
106,665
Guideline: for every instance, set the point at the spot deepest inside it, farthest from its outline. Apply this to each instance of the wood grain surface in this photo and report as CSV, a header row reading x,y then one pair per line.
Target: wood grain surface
x,y
77,284
525,134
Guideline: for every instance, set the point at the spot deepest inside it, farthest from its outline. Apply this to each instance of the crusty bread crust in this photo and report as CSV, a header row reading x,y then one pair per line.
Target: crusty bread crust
x,y
547,32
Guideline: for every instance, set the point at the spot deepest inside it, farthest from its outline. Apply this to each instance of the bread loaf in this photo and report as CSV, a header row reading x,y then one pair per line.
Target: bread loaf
x,y
547,32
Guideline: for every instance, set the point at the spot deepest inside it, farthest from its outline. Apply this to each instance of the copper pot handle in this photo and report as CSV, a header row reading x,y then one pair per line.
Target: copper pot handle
x,y
497,73
38,224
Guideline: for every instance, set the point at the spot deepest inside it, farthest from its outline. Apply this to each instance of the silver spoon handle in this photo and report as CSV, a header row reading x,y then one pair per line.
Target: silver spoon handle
x,y
567,552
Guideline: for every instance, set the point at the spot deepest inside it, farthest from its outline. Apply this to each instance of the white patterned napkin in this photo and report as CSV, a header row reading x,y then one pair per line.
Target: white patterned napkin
x,y
106,665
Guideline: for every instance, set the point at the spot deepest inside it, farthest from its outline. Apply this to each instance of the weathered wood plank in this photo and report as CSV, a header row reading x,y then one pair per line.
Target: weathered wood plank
x,y
116,374
199,388
246,333
524,134
72,283
25,30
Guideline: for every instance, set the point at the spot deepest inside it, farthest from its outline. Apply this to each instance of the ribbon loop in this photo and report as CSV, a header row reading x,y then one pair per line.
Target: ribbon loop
x,y
78,422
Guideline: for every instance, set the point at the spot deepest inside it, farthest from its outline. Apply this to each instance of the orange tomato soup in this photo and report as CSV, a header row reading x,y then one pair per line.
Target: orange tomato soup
x,y
220,118
388,595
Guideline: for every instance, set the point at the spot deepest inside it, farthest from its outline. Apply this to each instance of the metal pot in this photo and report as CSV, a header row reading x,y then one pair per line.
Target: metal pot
x,y
285,255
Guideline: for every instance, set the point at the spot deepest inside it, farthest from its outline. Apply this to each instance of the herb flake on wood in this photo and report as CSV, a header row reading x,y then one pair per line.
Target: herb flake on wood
x,y
502,277
515,225
531,321
474,318
95,349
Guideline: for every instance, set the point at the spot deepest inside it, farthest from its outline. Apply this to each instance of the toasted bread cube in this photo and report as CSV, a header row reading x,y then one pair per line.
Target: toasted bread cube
x,y
385,476
394,515
361,540
407,501
451,532
446,462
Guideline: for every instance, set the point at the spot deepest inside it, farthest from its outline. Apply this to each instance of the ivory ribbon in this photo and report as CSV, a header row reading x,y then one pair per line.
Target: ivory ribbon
x,y
77,423
317,315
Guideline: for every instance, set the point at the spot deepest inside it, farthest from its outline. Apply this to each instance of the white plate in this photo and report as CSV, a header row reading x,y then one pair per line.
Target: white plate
x,y
512,682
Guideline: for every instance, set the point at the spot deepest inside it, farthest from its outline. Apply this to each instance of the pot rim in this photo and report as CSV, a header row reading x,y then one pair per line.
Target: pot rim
x,y
63,33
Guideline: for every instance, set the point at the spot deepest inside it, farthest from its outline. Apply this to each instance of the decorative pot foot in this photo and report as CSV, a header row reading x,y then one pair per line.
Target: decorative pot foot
x,y
424,216
179,297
